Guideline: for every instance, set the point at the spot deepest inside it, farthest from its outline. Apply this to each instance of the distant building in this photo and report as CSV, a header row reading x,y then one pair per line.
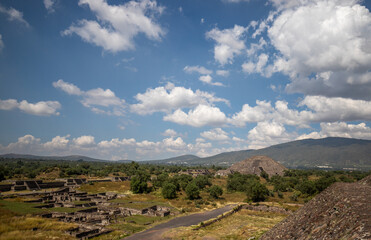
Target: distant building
x,y
224,173
195,172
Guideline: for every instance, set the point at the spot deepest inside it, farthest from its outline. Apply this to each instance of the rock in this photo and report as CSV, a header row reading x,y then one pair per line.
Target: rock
x,y
257,164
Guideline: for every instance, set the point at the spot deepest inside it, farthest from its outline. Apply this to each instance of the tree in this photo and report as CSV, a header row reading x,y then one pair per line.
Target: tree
x,y
138,183
160,180
256,191
264,175
202,181
192,191
215,191
168,190
306,187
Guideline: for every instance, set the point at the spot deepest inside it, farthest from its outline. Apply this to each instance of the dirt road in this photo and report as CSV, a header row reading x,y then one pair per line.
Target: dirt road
x,y
185,221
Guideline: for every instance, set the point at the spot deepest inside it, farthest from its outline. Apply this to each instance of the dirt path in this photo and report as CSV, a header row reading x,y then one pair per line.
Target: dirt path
x,y
185,221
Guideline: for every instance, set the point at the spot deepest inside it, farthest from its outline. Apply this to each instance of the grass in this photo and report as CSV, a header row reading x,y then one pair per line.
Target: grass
x,y
28,227
244,224
98,187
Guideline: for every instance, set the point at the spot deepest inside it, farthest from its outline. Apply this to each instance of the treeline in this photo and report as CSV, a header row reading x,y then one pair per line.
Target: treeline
x,y
301,183
25,168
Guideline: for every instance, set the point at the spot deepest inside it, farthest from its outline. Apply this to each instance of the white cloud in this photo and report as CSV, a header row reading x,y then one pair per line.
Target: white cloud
x,y
69,88
229,43
340,129
8,104
335,47
49,5
117,25
319,109
223,73
168,98
202,20
84,141
170,133
209,80
202,115
268,133
1,43
95,98
216,134
255,47
42,108
258,67
197,69
337,109
58,142
14,15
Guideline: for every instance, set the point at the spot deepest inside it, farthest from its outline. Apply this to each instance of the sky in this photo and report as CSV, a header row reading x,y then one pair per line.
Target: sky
x,y
147,79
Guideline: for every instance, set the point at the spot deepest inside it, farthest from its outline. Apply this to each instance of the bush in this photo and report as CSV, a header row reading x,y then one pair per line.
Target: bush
x,y
256,191
202,181
294,196
306,187
192,191
138,183
324,182
215,191
264,175
279,194
239,182
168,190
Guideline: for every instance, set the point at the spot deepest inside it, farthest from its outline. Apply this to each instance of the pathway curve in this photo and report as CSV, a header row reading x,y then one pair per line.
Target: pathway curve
x,y
185,221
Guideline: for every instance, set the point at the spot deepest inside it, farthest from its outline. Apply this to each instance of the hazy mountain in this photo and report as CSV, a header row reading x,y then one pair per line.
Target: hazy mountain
x,y
34,157
332,152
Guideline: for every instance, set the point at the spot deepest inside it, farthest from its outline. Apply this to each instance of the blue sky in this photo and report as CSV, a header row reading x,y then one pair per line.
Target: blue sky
x,y
153,79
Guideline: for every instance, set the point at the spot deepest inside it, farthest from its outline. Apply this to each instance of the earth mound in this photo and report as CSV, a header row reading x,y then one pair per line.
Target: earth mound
x,y
257,164
342,211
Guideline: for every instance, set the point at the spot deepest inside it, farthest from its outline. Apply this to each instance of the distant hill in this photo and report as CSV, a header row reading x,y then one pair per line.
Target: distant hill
x,y
34,157
336,153
181,160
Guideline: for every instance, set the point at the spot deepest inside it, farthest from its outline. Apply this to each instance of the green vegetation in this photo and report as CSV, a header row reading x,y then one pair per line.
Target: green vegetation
x,y
192,191
168,190
215,191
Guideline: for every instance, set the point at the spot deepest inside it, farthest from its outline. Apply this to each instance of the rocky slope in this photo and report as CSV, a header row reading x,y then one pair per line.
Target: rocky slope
x,y
256,164
342,211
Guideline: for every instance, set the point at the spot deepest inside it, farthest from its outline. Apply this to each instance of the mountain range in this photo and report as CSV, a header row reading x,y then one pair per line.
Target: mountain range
x,y
327,153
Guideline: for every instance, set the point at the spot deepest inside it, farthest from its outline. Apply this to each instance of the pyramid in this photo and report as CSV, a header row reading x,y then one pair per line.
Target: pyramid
x,y
257,164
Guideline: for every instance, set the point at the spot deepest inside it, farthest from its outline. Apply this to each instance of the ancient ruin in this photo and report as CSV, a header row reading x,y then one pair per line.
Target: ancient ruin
x,y
342,211
257,164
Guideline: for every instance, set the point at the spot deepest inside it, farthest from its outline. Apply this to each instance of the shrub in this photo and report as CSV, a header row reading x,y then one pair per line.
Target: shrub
x,y
192,191
215,191
138,183
256,191
324,182
238,181
168,190
202,181
306,187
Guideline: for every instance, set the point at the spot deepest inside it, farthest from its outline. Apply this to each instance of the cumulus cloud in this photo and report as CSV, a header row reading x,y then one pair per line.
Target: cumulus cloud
x,y
95,99
340,129
42,108
49,5
318,109
170,133
84,141
14,15
197,69
117,25
209,80
268,133
332,57
216,134
258,67
202,115
58,142
229,43
168,98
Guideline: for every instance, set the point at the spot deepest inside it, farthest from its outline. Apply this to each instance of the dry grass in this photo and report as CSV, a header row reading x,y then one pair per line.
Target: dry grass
x,y
31,227
98,187
244,224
